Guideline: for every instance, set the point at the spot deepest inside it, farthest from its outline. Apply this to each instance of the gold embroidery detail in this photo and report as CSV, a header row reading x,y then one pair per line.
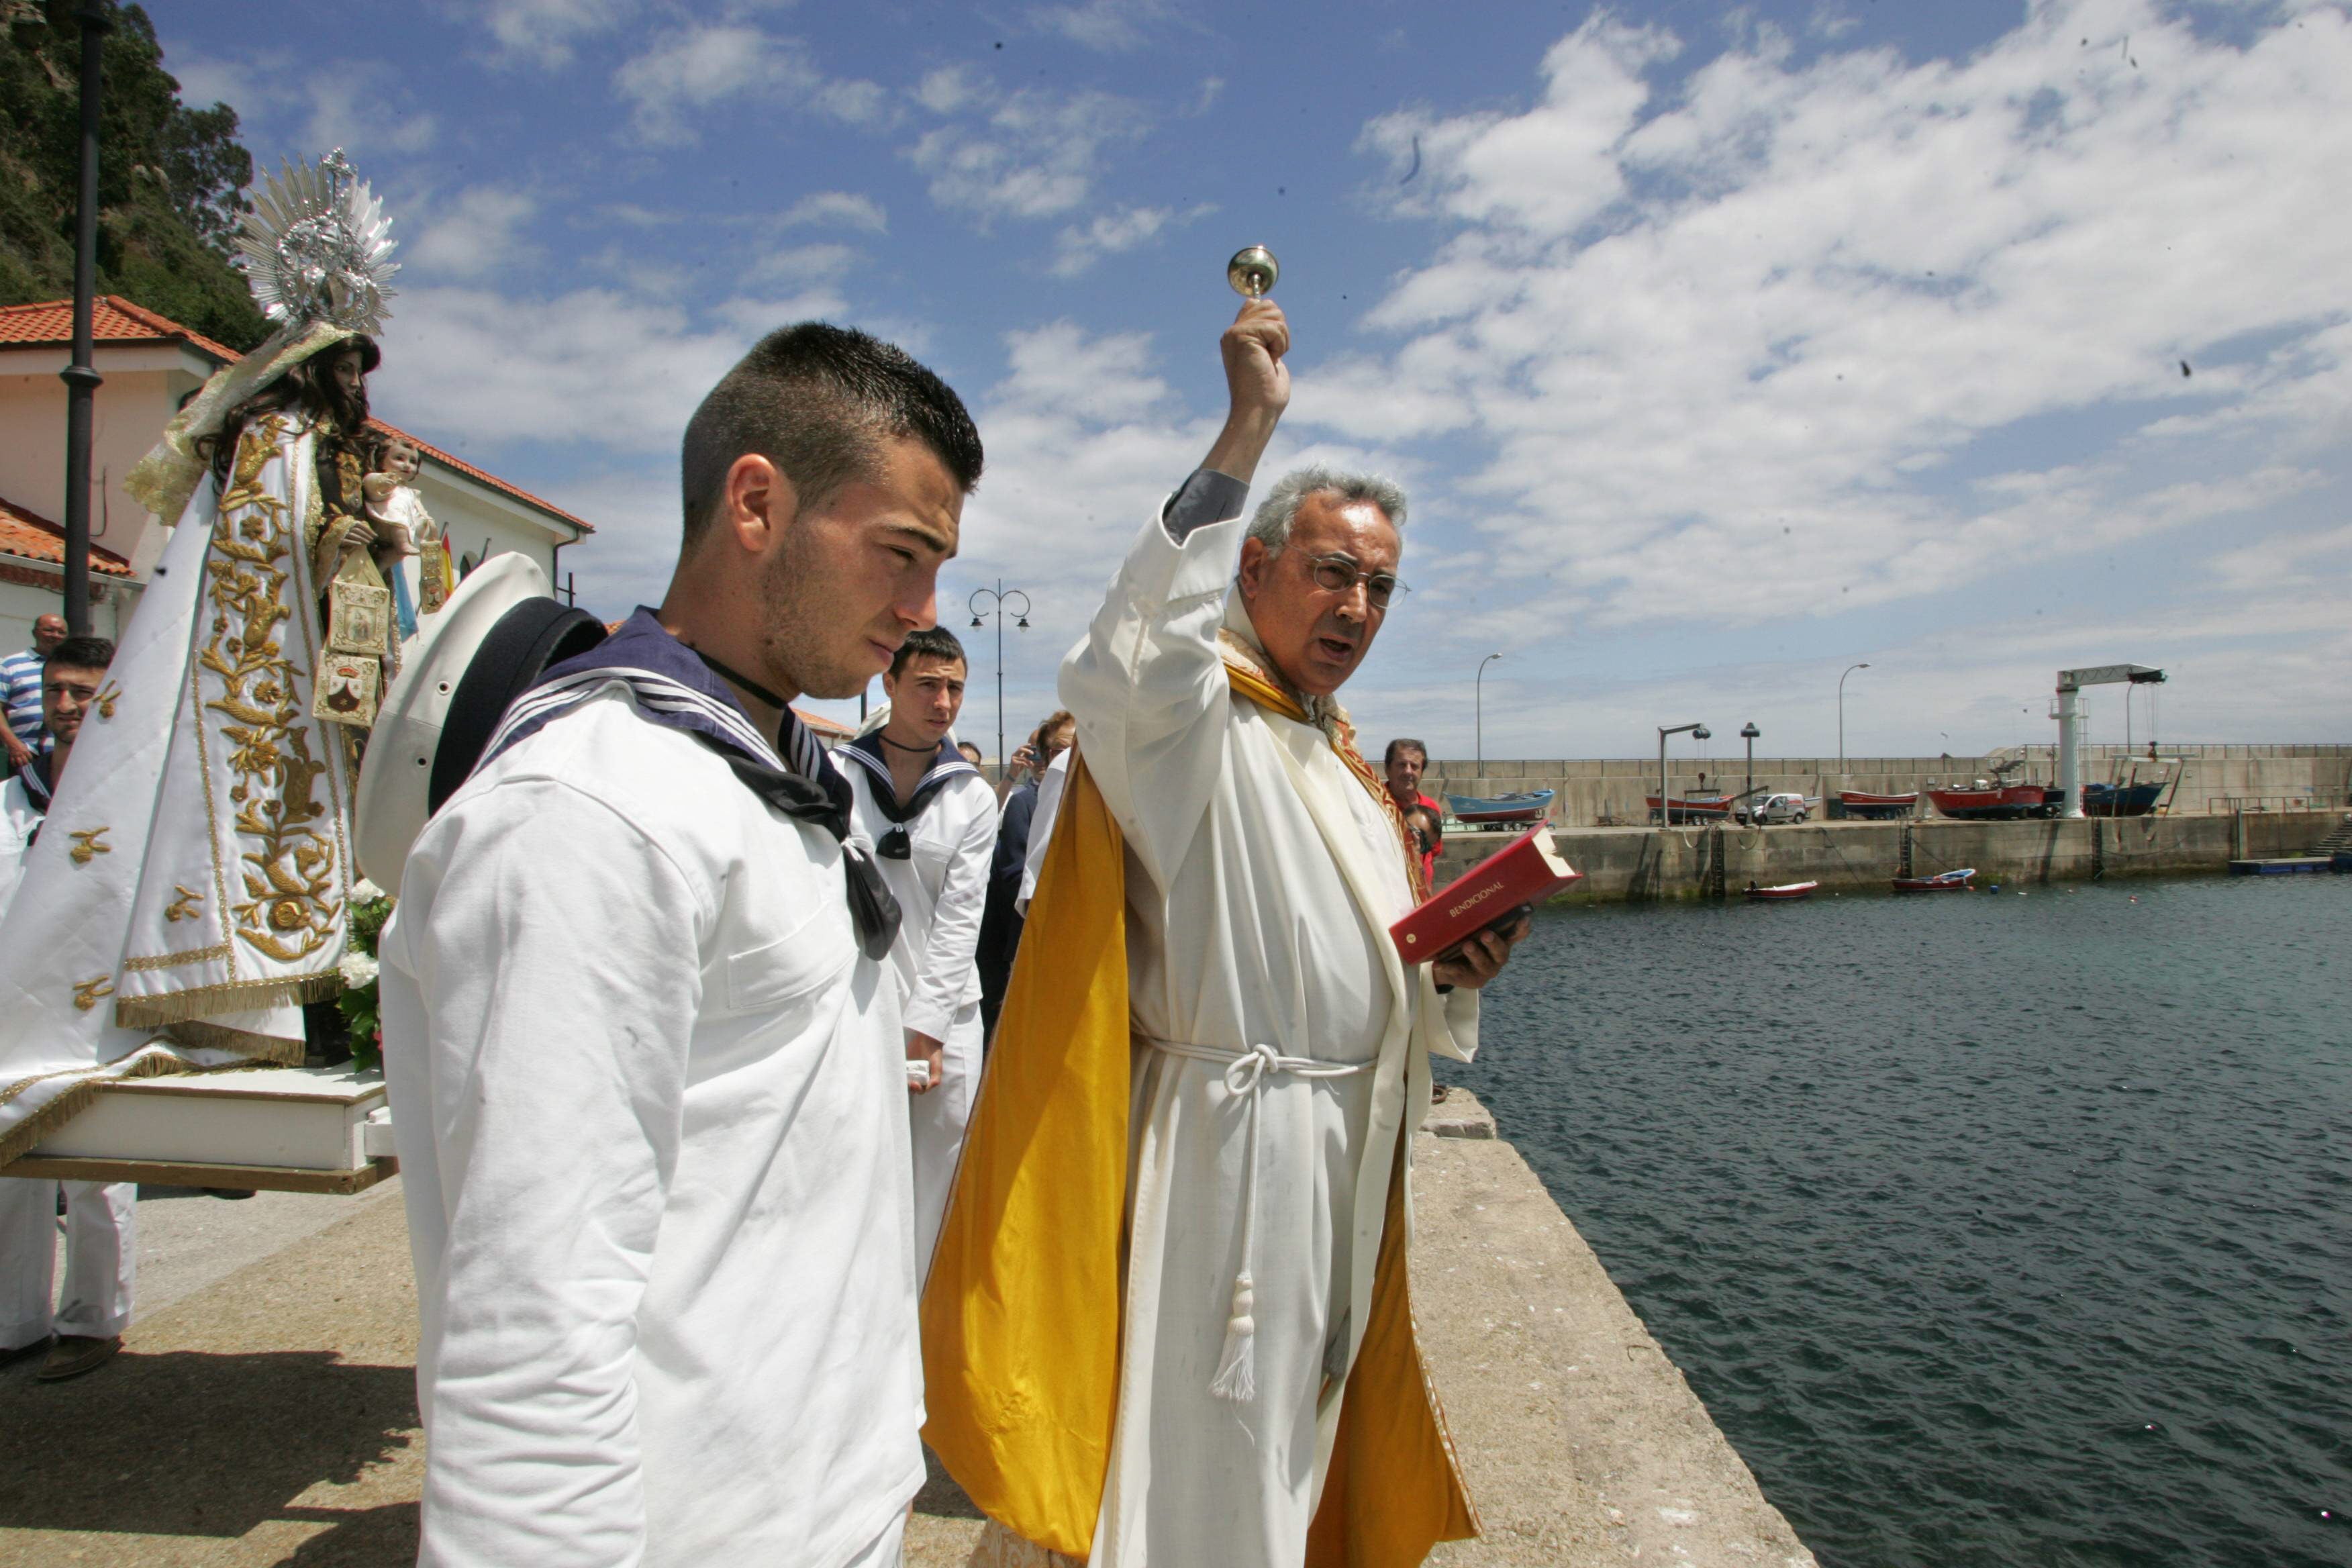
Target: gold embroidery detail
x,y
290,873
87,991
184,907
87,846
173,960
107,696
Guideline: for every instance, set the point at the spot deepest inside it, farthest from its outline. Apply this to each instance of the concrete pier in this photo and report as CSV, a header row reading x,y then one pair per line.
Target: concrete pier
x,y
1636,864
1582,1444
267,1413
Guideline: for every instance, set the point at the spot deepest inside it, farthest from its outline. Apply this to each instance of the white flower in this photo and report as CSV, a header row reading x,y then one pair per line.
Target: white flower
x,y
358,971
366,892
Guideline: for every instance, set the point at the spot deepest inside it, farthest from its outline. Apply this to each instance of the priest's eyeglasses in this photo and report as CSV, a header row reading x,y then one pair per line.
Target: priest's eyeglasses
x,y
1338,574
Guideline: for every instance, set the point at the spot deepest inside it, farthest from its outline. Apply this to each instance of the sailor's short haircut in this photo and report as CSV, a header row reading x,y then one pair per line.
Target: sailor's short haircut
x,y
1271,525
931,642
819,401
80,653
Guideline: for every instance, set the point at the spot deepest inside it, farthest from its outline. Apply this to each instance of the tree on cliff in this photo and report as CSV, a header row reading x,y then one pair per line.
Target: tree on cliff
x,y
170,179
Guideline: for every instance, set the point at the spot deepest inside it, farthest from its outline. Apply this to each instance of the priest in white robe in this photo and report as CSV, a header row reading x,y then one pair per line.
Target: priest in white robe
x,y
642,1043
1279,1058
932,821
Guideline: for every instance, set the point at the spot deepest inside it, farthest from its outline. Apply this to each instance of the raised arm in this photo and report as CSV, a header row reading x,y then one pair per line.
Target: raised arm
x,y
1148,685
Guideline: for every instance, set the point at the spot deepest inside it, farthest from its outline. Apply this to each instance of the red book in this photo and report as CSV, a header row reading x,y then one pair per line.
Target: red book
x,y
1525,871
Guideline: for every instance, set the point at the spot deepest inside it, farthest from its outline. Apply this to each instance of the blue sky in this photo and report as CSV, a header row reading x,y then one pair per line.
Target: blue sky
x,y
1720,347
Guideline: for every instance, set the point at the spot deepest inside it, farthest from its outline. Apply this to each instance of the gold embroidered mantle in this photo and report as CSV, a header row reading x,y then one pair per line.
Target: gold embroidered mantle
x,y
262,835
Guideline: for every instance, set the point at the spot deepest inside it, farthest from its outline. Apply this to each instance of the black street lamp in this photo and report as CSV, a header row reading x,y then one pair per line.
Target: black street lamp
x,y
1002,598
1749,732
81,377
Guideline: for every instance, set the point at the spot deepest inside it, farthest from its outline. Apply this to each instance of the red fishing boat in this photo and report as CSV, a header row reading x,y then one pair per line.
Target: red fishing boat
x,y
1785,890
1703,808
1869,806
1943,882
1985,802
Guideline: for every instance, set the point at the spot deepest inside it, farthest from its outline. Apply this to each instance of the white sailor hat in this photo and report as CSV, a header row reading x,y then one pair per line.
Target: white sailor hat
x,y
469,658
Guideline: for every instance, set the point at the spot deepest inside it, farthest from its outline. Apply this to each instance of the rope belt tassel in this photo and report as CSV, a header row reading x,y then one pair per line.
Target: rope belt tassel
x,y
1246,1074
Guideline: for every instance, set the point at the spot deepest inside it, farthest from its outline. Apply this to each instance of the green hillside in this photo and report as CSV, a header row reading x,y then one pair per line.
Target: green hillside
x,y
171,178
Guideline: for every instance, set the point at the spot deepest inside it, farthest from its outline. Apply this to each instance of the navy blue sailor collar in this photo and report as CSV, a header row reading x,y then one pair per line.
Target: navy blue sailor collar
x,y
674,688
867,750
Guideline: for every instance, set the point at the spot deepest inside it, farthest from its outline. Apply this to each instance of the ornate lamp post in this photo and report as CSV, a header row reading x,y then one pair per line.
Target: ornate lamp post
x,y
1849,670
1665,799
1478,689
1749,732
1000,600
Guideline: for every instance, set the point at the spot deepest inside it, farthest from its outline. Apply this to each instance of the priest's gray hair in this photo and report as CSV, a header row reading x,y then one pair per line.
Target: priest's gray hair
x,y
1271,526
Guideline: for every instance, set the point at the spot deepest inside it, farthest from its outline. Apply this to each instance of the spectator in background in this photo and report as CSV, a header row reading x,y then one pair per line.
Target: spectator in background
x,y
971,752
1404,763
1000,926
1428,829
20,690
101,1247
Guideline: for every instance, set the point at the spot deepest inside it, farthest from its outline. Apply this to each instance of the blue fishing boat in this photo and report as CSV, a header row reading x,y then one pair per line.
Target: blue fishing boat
x,y
1529,806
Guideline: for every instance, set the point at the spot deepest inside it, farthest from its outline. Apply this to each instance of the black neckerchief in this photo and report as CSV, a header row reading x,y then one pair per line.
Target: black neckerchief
x,y
676,688
946,764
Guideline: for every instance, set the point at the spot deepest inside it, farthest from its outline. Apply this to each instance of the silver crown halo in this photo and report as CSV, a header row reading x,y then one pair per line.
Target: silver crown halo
x,y
317,247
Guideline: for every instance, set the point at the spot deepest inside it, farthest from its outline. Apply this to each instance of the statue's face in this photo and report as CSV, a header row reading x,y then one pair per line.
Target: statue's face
x,y
349,376
401,462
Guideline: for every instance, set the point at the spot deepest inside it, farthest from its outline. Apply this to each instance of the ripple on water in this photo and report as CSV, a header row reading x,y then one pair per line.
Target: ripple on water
x,y
1994,1232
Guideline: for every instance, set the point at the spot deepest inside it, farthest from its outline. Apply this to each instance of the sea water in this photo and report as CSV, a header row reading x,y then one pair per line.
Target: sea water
x,y
1993,1229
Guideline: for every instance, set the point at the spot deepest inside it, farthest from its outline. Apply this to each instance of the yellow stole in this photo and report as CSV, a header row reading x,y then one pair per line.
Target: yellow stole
x,y
1024,1307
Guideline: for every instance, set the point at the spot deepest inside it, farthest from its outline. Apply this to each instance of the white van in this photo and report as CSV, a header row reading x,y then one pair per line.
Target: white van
x,y
1781,807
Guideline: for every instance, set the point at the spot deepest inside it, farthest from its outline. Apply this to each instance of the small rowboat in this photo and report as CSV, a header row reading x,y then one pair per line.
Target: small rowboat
x,y
1878,807
1785,890
1529,806
1942,882
1705,808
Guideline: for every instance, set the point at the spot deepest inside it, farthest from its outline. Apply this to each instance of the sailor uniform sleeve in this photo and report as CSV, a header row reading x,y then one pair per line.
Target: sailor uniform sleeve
x,y
1148,685
554,960
949,965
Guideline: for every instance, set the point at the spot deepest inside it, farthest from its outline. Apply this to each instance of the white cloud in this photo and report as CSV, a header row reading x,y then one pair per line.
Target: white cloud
x,y
1110,27
700,66
475,234
1030,153
542,33
1791,339
292,109
1078,248
594,367
837,209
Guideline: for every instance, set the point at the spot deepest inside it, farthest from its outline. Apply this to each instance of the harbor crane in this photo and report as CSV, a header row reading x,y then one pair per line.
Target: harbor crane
x,y
2069,721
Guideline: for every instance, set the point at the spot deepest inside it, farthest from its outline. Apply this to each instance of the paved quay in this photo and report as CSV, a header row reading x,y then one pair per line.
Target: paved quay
x,y
265,1413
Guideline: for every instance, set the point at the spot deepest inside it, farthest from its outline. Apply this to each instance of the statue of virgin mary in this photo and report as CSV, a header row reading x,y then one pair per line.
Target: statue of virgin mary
x,y
192,889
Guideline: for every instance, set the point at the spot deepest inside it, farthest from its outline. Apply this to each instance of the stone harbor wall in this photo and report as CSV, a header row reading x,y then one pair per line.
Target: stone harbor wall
x,y
1590,791
1624,864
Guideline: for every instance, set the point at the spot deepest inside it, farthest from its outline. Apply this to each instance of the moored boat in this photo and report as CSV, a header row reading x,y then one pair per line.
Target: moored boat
x,y
1785,890
1993,803
1876,808
1696,808
1527,806
2121,800
1942,882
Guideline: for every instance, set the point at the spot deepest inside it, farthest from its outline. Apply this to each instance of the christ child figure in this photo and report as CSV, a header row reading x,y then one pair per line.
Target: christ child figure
x,y
408,542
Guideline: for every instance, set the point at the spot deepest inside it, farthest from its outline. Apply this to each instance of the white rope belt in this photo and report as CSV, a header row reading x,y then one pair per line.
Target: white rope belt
x,y
1246,1074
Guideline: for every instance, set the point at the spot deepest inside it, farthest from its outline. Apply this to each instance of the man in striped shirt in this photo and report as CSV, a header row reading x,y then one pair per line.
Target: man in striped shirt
x,y
20,690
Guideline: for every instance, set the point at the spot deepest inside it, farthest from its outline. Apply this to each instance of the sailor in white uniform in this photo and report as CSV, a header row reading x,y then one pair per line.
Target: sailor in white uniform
x,y
644,1044
932,820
